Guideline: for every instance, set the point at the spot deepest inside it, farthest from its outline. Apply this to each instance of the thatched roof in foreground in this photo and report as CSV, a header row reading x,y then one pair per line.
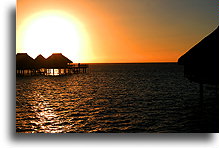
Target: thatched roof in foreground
x,y
24,61
41,61
57,60
201,62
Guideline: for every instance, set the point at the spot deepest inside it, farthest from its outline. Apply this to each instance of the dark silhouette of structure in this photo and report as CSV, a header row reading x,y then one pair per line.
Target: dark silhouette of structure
x,y
56,64
57,60
201,63
25,65
41,62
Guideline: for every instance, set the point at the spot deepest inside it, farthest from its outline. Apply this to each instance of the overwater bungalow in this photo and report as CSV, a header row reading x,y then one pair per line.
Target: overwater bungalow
x,y
57,64
25,65
201,63
41,62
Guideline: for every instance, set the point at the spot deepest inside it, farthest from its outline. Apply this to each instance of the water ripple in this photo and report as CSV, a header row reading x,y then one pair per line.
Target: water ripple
x,y
110,98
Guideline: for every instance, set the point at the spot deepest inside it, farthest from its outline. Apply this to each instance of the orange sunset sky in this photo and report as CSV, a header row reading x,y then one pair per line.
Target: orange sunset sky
x,y
109,31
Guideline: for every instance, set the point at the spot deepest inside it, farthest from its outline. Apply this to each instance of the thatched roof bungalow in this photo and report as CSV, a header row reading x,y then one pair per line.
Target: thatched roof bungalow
x,y
41,61
25,62
57,61
201,63
56,64
25,65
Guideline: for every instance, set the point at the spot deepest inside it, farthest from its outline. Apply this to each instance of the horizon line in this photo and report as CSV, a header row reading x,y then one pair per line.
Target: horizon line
x,y
127,62
107,62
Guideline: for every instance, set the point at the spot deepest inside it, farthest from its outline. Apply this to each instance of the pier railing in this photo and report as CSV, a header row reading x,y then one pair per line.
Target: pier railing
x,y
78,68
77,65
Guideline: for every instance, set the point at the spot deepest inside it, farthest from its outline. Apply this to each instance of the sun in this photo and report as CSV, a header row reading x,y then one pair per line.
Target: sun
x,y
50,32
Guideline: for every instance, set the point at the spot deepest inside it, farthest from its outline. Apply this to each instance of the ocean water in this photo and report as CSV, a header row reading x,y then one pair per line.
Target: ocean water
x,y
114,98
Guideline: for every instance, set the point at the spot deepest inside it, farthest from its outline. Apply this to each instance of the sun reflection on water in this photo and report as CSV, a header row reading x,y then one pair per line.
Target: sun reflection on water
x,y
107,101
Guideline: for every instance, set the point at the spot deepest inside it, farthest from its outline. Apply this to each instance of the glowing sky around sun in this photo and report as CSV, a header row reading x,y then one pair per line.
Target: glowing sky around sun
x,y
113,30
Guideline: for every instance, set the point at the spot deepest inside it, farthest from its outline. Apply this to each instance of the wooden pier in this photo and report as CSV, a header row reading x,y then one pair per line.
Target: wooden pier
x,y
78,68
70,69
